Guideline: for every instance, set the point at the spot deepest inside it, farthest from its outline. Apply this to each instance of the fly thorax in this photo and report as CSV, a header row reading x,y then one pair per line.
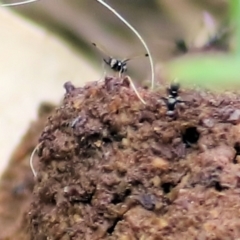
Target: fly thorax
x,y
113,62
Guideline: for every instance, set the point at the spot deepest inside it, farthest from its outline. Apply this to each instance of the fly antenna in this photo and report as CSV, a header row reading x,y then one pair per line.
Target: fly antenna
x,y
17,3
101,49
131,58
31,159
137,34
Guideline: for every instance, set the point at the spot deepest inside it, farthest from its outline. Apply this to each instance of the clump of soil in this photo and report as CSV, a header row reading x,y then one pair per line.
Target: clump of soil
x,y
17,182
113,168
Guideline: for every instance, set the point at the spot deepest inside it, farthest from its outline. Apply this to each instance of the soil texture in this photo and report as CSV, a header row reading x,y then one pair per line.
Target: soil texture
x,y
113,168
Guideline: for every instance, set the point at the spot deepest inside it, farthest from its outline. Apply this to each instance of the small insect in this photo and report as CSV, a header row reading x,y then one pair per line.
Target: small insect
x,y
173,98
137,34
115,64
171,103
120,66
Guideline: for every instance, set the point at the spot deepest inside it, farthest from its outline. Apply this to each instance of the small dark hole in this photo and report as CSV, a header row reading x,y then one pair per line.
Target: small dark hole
x,y
111,229
116,199
95,137
120,198
106,140
115,136
190,136
237,149
128,192
218,187
167,187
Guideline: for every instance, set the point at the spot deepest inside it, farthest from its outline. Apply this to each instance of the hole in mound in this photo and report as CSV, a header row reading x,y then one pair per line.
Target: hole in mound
x,y
190,136
120,198
237,149
218,186
107,140
114,134
111,228
167,187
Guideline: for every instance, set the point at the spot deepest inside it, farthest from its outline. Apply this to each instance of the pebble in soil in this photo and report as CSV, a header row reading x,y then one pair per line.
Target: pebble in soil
x,y
114,168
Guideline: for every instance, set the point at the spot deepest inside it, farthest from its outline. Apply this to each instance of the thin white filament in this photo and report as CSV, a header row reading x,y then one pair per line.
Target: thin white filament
x,y
135,90
104,71
137,34
31,160
18,3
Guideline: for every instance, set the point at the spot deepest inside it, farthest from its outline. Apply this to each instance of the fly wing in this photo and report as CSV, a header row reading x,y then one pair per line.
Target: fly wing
x,y
102,49
133,56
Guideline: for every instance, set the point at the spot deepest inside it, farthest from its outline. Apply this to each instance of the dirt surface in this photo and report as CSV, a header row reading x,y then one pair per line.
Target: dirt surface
x,y
114,168
17,182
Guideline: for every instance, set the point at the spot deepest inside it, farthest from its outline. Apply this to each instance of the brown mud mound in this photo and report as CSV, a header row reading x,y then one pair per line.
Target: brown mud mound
x,y
113,168
17,182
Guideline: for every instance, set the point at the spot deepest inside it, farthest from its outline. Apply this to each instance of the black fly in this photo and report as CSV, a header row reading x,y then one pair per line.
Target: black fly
x,y
116,65
119,66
